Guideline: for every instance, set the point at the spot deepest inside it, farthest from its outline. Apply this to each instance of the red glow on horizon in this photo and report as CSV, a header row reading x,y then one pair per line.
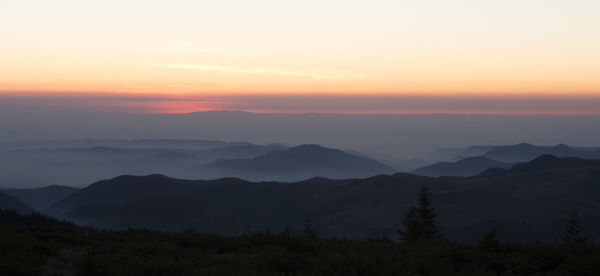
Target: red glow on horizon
x,y
302,103
168,107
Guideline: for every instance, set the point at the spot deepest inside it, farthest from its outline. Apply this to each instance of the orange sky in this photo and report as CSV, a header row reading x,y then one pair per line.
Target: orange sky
x,y
498,104
180,47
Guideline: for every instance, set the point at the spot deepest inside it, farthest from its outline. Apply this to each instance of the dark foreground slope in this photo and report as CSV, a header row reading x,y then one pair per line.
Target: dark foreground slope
x,y
12,218
59,250
529,202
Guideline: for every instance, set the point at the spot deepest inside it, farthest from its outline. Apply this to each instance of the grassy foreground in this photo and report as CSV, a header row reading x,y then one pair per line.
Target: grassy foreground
x,y
64,250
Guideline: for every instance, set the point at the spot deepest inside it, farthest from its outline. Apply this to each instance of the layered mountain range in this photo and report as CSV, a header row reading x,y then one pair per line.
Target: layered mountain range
x,y
476,159
529,201
59,163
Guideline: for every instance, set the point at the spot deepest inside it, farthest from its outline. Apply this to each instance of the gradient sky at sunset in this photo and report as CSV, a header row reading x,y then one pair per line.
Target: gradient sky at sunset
x,y
503,48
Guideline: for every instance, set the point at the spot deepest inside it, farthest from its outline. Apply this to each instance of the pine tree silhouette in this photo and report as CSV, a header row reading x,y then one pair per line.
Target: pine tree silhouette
x,y
287,233
574,230
412,226
309,230
489,242
427,214
419,222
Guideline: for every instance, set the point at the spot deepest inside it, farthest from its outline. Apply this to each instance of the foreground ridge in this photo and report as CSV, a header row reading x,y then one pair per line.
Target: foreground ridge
x,y
67,249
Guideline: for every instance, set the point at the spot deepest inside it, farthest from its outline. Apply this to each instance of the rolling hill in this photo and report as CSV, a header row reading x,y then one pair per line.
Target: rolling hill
x,y
526,152
42,198
545,162
527,204
75,165
298,163
466,167
11,203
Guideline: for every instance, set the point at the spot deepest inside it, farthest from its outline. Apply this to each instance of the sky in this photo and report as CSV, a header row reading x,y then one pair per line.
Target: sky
x,y
460,56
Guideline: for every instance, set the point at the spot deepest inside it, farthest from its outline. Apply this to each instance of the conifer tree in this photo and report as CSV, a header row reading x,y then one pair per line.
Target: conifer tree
x,y
489,242
574,229
427,214
412,226
419,222
309,230
287,233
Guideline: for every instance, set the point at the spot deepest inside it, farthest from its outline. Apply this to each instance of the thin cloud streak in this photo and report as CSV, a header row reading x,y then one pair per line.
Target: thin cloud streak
x,y
317,75
229,53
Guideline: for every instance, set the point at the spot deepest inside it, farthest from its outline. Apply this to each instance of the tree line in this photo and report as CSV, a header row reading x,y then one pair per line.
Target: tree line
x,y
420,224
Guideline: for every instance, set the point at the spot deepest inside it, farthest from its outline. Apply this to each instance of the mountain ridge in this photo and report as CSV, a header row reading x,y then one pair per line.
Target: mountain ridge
x,y
41,198
469,166
12,203
300,162
526,152
527,200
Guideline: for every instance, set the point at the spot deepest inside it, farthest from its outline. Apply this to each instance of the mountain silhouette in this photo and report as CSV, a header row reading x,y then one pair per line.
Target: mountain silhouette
x,y
173,156
457,154
300,162
165,211
528,199
242,151
12,203
42,198
466,167
181,144
526,152
545,162
119,190
72,166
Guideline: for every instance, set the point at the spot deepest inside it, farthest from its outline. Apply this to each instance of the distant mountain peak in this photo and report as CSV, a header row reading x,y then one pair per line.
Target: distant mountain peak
x,y
41,198
307,151
474,159
300,162
524,144
469,166
128,178
526,152
12,203
545,162
562,146
545,158
313,147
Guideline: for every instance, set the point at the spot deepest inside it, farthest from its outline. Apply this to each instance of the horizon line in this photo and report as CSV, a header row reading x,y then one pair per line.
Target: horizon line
x,y
257,112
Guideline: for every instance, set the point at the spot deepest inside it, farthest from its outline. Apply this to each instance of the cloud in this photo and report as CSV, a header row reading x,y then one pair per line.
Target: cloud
x,y
317,75
230,52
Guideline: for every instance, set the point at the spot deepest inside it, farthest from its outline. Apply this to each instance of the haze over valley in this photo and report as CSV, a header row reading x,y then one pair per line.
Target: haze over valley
x,y
300,137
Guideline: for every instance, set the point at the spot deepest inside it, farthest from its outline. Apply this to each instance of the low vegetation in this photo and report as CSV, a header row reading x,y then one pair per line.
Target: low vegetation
x,y
58,250
35,244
